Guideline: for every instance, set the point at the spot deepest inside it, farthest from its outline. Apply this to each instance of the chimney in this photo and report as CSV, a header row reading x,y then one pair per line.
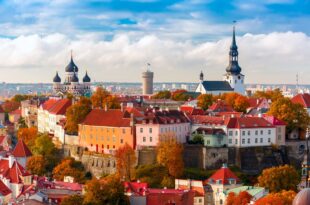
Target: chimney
x,y
122,107
11,161
106,107
260,115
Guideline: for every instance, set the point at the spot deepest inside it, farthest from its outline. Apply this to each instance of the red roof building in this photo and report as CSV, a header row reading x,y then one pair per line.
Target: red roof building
x,y
135,188
220,106
21,150
190,110
303,99
223,176
247,122
169,197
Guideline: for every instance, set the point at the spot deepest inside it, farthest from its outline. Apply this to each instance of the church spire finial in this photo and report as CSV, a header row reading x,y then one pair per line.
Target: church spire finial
x,y
71,53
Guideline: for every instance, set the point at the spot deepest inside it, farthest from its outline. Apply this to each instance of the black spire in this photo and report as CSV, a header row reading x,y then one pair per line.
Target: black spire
x,y
201,76
56,78
233,67
71,67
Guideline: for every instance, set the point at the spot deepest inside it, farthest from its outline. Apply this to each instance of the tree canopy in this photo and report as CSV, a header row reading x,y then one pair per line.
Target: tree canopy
x,y
243,198
204,101
36,165
180,95
281,198
276,179
125,161
164,94
69,167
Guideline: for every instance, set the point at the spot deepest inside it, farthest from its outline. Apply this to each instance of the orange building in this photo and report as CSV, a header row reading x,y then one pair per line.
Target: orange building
x,y
106,130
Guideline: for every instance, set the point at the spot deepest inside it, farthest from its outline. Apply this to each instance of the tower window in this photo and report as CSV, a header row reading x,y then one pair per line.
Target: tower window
x,y
239,77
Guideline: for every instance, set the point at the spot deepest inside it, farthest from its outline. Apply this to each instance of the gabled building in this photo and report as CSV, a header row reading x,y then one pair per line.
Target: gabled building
x,y
104,131
220,106
50,113
221,181
250,132
158,124
233,80
5,193
21,153
303,99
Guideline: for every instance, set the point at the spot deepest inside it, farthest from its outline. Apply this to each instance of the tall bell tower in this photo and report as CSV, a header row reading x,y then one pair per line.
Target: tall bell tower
x,y
233,71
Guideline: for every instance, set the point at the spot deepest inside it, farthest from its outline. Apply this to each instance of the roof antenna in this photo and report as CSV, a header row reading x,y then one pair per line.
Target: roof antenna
x,y
148,67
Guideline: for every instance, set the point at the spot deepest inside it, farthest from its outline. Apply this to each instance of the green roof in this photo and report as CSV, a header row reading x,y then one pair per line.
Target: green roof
x,y
250,189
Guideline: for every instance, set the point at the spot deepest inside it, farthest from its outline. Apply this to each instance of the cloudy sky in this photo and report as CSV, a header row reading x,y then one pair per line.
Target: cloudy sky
x,y
114,39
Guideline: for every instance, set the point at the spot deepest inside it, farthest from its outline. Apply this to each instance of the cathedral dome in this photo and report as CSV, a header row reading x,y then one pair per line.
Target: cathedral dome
x,y
86,78
233,68
56,78
75,79
303,197
71,67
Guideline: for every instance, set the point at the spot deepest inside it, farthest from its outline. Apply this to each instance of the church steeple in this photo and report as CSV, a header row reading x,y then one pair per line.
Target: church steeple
x,y
201,76
233,67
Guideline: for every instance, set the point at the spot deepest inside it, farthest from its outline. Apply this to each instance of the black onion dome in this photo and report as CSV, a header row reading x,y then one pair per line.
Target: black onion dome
x,y
71,67
86,78
75,79
56,78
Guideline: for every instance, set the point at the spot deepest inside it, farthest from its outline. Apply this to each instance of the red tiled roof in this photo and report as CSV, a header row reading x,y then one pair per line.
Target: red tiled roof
x,y
205,119
303,99
4,190
60,107
210,131
192,110
16,112
21,150
112,118
68,185
157,116
229,114
14,173
254,102
247,122
273,120
223,176
136,112
135,187
220,106
48,104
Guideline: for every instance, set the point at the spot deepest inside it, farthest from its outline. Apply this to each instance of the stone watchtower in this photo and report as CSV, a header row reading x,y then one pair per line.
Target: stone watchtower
x,y
147,81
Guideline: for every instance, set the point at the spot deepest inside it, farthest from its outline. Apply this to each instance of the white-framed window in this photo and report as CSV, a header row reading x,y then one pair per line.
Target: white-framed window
x,y
269,132
243,141
230,141
236,141
269,140
236,132
151,139
261,140
150,130
262,132
230,133
141,130
144,139
249,132
249,140
256,132
243,133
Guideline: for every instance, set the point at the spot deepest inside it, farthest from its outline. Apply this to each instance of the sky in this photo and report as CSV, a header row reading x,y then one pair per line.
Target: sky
x,y
115,39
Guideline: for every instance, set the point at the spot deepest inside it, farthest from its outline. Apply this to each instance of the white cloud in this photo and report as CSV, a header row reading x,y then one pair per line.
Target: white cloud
x,y
265,58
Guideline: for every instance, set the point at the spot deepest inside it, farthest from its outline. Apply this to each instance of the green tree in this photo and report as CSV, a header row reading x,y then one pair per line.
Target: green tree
x,y
197,139
180,95
164,94
205,101
153,174
276,179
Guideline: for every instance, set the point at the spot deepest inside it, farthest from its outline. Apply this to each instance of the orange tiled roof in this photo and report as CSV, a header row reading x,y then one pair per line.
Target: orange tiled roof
x,y
303,99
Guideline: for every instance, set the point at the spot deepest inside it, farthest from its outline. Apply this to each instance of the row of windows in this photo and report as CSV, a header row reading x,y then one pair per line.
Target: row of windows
x,y
104,146
113,139
231,133
261,140
150,139
166,129
101,129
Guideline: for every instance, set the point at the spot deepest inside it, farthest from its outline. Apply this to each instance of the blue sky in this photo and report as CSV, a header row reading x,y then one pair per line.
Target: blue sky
x,y
50,28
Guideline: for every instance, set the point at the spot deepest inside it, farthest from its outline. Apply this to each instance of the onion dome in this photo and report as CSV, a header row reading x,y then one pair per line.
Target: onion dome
x,y
303,197
56,78
71,67
75,79
86,78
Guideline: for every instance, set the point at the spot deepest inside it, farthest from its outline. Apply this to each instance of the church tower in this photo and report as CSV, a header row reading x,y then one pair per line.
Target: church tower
x,y
233,71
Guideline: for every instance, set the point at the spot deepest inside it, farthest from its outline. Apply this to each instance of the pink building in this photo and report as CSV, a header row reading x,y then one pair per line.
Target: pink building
x,y
161,123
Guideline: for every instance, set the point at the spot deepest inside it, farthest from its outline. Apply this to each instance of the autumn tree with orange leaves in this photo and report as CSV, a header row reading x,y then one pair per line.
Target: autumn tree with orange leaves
x,y
125,162
243,198
204,101
36,165
170,155
276,179
98,97
69,167
28,135
238,102
76,113
281,198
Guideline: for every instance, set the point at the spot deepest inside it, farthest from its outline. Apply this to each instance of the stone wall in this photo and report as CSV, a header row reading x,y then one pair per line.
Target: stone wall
x,y
99,165
215,157
146,156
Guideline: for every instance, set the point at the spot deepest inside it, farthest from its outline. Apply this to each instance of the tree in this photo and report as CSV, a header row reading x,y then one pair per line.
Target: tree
x,y
125,161
197,139
36,165
269,94
205,101
28,135
295,116
153,174
18,98
72,200
76,114
99,97
281,198
69,167
165,94
43,145
180,95
241,104
109,191
170,155
111,102
279,178
243,198
10,106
